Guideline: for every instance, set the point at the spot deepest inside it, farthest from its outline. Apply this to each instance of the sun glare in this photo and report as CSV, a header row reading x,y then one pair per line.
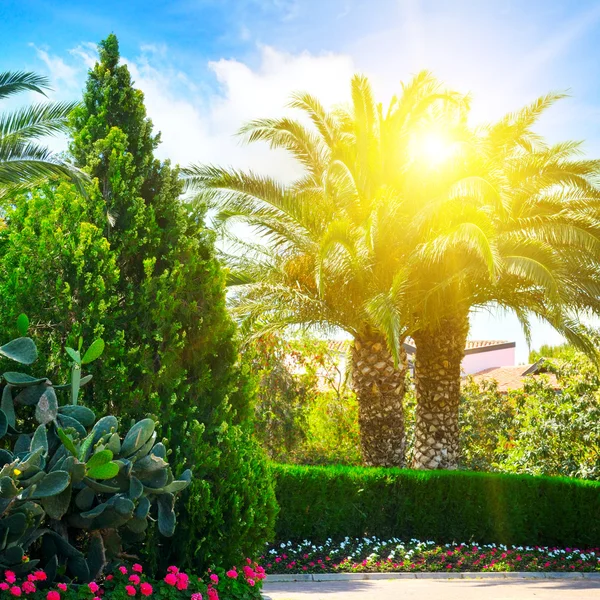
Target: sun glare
x,y
432,148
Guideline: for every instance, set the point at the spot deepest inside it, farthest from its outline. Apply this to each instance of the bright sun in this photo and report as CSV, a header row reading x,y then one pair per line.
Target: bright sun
x,y
432,147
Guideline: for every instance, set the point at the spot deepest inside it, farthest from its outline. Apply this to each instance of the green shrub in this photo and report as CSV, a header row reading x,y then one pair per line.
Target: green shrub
x,y
72,490
133,263
318,503
536,430
305,411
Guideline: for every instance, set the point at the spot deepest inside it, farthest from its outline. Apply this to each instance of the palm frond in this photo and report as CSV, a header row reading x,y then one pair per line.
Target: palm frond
x,y
13,82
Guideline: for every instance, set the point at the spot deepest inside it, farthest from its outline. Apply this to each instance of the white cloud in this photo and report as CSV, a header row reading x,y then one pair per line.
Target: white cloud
x,y
87,53
197,121
60,72
201,127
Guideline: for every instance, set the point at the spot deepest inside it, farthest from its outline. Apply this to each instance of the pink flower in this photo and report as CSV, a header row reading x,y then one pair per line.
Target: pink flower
x,y
251,582
40,575
135,579
173,570
131,591
62,587
123,570
94,587
28,587
10,576
214,578
171,579
109,577
146,589
212,594
183,580
232,573
15,590
137,568
4,586
196,596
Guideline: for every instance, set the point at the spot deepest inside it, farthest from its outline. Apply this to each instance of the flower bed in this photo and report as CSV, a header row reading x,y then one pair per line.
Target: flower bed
x,y
375,555
127,582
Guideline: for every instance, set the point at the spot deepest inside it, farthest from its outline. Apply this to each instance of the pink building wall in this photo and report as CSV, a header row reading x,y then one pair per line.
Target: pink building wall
x,y
473,363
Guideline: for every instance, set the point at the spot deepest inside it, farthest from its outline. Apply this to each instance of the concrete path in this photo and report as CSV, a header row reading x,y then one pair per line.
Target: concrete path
x,y
451,589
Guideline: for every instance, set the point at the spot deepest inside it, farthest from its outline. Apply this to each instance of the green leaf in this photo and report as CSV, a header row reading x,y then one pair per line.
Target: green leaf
x,y
23,324
8,489
67,441
21,350
40,439
75,383
93,352
85,446
74,354
106,471
83,414
3,424
56,506
98,459
8,407
21,379
53,483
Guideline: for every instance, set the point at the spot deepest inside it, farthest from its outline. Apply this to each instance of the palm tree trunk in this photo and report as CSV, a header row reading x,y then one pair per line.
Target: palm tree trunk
x,y
380,388
437,381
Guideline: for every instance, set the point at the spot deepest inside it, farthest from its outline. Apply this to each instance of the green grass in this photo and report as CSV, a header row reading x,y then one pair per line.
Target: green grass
x,y
446,506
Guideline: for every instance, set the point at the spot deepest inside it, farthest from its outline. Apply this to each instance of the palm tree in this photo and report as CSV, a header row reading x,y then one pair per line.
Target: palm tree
x,y
524,235
329,243
382,241
24,162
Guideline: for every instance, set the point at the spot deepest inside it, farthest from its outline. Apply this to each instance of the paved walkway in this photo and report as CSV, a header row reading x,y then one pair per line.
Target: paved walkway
x,y
452,589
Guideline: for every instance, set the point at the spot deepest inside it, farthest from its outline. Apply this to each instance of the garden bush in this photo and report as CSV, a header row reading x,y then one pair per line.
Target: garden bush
x,y
73,492
133,263
306,412
318,503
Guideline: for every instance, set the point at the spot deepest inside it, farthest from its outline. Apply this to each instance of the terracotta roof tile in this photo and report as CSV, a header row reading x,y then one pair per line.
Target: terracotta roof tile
x,y
510,378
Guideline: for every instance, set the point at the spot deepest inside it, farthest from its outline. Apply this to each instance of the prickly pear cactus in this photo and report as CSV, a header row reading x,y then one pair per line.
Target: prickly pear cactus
x,y
74,489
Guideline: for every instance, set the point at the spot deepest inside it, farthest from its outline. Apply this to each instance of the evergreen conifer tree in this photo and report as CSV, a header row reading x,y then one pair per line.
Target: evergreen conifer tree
x,y
134,264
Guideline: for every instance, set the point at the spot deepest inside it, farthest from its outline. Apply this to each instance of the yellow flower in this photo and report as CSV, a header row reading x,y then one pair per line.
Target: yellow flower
x,y
17,472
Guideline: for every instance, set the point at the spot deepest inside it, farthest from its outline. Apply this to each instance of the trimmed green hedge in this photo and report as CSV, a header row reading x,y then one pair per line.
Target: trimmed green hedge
x,y
446,506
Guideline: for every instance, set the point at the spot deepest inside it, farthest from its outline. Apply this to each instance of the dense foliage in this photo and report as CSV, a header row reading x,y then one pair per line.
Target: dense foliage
x,y
376,555
305,411
536,430
318,503
131,262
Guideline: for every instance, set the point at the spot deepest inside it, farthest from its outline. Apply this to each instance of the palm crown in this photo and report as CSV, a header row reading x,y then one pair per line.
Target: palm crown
x,y
24,162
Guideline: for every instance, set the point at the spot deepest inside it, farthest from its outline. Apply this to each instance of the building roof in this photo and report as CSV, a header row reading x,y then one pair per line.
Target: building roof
x,y
471,347
512,378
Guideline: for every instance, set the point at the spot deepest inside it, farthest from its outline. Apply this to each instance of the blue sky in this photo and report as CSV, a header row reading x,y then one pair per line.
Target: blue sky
x,y
206,66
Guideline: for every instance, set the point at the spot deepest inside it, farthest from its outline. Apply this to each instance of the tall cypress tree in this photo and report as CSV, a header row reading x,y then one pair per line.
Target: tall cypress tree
x,y
171,349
